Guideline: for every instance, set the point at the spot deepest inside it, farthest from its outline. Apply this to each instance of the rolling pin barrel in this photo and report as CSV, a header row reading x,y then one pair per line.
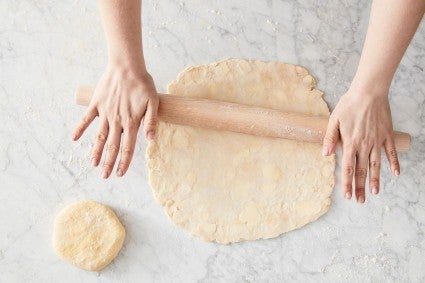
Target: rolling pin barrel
x,y
240,118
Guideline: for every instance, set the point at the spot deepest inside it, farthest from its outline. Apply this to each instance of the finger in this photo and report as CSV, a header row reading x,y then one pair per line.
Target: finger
x,y
88,117
150,121
374,169
347,172
331,137
113,145
99,144
128,145
391,153
361,173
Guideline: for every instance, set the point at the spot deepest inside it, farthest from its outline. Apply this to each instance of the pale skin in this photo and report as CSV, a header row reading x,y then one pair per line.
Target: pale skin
x,y
361,120
125,94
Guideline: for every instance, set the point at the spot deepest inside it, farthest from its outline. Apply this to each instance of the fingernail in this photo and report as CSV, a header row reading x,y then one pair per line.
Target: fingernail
x,y
325,150
360,199
348,195
396,172
119,172
74,137
374,191
151,135
104,174
93,162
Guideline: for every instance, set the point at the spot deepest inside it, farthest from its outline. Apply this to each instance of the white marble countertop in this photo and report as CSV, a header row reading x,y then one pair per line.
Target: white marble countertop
x,y
47,48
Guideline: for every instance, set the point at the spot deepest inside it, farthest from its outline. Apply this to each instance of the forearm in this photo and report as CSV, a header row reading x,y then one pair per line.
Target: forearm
x,y
121,20
392,25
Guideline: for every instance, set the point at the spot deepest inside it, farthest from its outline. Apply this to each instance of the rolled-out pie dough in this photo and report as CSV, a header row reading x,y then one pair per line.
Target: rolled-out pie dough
x,y
228,187
88,234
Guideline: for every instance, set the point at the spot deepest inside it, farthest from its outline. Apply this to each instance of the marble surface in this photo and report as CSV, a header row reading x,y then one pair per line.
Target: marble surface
x,y
47,48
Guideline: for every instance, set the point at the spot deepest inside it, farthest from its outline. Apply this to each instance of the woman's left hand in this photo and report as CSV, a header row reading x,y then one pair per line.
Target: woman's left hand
x,y
362,121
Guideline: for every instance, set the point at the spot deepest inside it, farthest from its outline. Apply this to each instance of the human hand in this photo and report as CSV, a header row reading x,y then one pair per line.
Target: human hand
x,y
362,121
123,97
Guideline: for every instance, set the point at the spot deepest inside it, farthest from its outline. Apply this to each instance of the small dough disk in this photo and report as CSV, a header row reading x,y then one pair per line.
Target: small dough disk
x,y
88,234
228,187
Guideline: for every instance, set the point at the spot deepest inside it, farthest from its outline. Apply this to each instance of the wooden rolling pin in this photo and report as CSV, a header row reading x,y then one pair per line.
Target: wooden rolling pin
x,y
234,117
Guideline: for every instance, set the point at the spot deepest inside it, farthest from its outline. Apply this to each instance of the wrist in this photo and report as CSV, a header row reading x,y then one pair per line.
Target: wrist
x,y
134,64
134,73
129,59
370,87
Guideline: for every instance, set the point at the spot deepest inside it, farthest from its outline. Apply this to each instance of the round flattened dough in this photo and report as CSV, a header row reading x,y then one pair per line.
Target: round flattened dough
x,y
88,234
228,187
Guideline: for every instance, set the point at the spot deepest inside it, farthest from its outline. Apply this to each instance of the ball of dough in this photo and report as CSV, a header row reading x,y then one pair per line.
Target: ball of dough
x,y
88,234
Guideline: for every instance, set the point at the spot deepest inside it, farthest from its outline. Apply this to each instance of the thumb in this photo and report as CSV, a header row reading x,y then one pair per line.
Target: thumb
x,y
151,120
331,137
391,152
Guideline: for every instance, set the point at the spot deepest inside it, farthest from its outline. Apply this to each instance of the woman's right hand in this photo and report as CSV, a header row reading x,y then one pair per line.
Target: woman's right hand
x,y
124,96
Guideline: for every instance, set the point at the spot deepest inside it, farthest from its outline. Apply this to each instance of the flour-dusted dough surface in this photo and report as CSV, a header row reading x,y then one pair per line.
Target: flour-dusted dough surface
x,y
88,234
228,187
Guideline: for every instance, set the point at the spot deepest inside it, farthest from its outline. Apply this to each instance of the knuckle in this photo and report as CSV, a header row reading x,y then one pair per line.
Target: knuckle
x,y
349,147
395,163
153,98
361,172
108,165
78,131
392,156
365,142
123,164
392,153
152,95
151,122
96,153
348,187
375,164
116,119
330,138
360,189
101,137
374,181
112,148
86,119
126,151
131,123
348,170
81,127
